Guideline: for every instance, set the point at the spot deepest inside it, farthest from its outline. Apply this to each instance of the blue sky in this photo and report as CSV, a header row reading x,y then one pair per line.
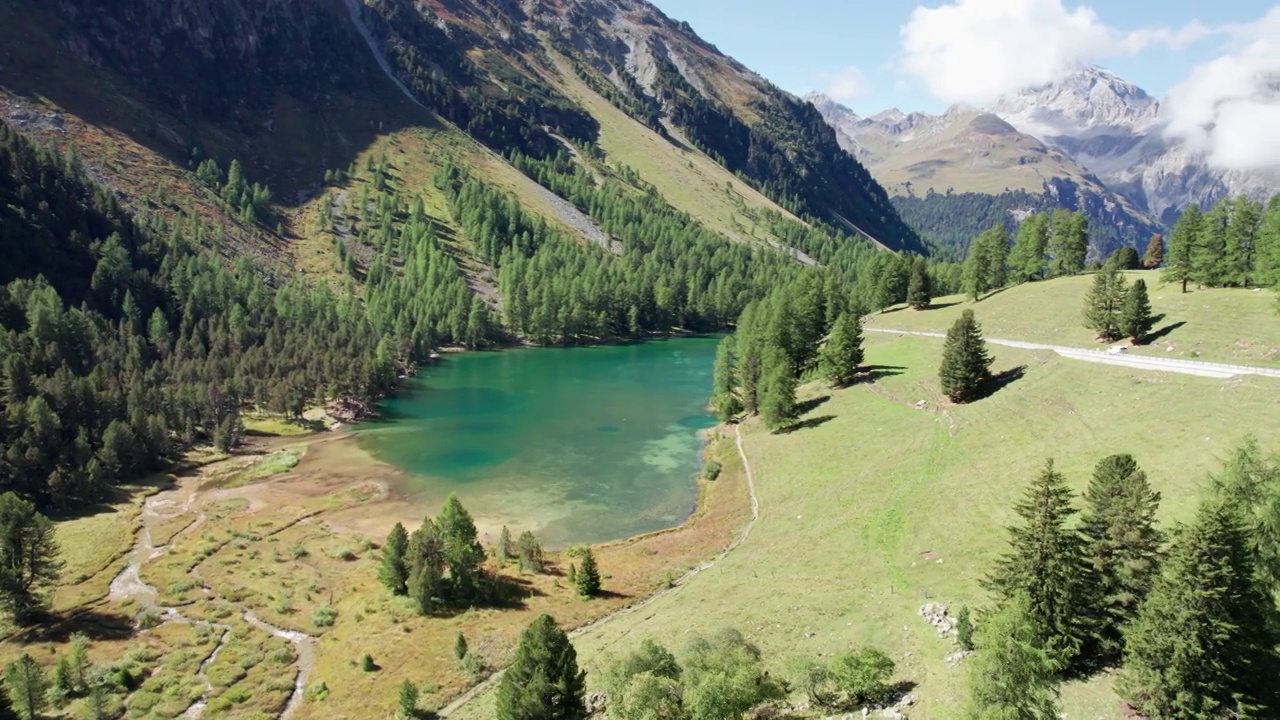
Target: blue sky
x,y
802,45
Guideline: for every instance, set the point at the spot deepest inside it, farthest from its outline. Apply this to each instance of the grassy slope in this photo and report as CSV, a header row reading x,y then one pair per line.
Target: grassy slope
x,y
688,179
1224,325
848,507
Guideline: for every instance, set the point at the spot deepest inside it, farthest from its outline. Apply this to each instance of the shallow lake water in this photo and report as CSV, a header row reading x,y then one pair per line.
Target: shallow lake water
x,y
577,444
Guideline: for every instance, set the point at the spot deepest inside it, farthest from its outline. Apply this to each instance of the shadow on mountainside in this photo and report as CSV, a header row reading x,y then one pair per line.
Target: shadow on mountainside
x,y
872,373
1155,335
804,424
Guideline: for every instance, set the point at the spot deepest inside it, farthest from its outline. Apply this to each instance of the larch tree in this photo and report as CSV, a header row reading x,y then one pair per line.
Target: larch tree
x,y
1045,564
1268,250
984,269
1179,260
724,380
1012,676
842,354
426,563
462,551
1154,256
1026,261
588,577
393,571
1200,643
1068,242
1240,241
920,289
1122,548
543,681
777,388
966,365
1104,303
27,687
28,556
1208,253
1135,314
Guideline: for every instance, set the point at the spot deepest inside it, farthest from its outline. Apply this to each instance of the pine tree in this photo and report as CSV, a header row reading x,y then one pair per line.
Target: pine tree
x,y
966,366
460,647
984,269
588,577
1208,254
777,388
28,556
426,567
1012,676
1154,256
27,686
543,681
920,289
408,699
506,548
1238,261
1268,247
393,571
1103,304
1122,547
842,353
1179,265
1045,563
462,550
964,629
1197,647
80,665
1135,315
1029,247
1249,485
1068,242
530,553
724,398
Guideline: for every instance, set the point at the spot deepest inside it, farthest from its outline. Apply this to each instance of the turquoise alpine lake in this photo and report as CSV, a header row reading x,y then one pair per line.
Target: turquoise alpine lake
x,y
579,445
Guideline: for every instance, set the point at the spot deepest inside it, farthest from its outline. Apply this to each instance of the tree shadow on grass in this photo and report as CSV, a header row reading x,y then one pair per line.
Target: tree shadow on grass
x,y
872,373
939,306
1161,333
94,623
804,424
1000,381
810,405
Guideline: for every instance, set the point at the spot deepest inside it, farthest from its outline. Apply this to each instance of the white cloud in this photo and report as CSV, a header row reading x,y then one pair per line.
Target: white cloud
x,y
1229,107
847,85
973,51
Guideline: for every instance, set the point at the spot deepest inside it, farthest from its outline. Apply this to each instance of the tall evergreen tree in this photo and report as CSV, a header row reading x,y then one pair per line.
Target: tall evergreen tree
x,y
1240,240
1135,315
984,269
1268,247
1104,303
1249,485
27,686
777,388
920,289
1045,563
842,353
426,562
1198,645
1068,242
1012,676
966,365
462,551
588,577
1180,263
28,556
1122,547
1209,250
393,570
1027,260
1154,256
543,681
724,380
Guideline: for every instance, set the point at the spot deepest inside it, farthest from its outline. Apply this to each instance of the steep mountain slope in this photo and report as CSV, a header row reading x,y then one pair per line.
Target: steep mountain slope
x,y
1116,130
954,174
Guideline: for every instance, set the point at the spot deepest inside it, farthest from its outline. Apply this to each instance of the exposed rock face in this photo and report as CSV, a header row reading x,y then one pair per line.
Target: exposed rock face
x,y
1117,131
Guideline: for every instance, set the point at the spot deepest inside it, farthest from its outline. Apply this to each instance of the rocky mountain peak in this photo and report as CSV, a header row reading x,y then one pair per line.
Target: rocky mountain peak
x,y
1088,100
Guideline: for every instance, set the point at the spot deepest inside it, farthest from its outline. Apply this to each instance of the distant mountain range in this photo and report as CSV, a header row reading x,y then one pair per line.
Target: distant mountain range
x,y
1091,141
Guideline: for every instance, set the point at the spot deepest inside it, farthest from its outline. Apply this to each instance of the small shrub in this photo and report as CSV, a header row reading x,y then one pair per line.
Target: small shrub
x,y
711,470
148,619
345,554
324,617
367,664
474,666
283,655
317,692
297,551
863,675
964,629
